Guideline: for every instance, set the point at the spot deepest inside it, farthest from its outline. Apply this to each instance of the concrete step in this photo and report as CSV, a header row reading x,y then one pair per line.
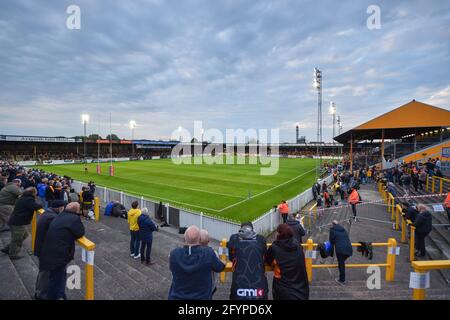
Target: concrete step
x,y
12,286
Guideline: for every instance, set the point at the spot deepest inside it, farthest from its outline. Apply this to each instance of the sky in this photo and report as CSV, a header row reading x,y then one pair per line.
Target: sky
x,y
231,64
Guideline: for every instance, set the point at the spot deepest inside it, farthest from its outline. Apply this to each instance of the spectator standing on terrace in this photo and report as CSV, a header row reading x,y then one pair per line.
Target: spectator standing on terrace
x,y
59,249
73,196
192,267
41,187
132,219
342,246
204,241
422,179
354,198
290,280
8,197
316,189
283,207
406,182
423,226
41,232
88,200
146,228
297,229
21,217
246,251
415,180
50,194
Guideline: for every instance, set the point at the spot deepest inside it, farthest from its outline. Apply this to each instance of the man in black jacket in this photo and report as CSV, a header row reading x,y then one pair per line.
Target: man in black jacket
x,y
21,217
423,226
41,231
246,251
342,246
59,249
296,227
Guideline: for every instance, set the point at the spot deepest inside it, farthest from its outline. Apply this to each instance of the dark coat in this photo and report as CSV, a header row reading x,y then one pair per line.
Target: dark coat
x,y
340,240
192,269
297,228
146,227
411,214
59,244
290,281
23,211
50,194
423,223
41,230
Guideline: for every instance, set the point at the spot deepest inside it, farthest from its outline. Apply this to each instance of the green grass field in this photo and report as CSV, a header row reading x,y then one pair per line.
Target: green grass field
x,y
219,190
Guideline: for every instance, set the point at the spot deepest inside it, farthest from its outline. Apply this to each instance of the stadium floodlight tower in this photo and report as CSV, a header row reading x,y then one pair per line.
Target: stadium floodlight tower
x,y
333,113
132,127
85,120
318,85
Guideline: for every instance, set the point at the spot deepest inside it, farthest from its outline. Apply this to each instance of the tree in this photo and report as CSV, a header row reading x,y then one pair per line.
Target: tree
x,y
114,137
94,136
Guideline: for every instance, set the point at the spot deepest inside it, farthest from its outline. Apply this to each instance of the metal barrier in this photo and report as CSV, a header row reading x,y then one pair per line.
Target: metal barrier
x,y
437,184
391,245
87,255
422,267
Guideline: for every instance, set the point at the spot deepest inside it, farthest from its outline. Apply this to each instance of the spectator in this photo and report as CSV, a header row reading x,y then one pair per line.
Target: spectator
x,y
192,268
290,280
41,232
316,189
21,217
423,226
59,248
297,229
73,196
422,179
146,228
246,251
410,211
8,197
415,180
354,199
283,207
50,193
343,248
41,187
88,200
132,219
204,241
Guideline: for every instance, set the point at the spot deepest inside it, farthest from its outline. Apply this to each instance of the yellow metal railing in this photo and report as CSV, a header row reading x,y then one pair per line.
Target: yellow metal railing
x,y
391,245
88,255
424,267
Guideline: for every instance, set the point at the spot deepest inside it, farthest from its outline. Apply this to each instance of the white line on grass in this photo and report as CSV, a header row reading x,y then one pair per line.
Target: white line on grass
x,y
268,190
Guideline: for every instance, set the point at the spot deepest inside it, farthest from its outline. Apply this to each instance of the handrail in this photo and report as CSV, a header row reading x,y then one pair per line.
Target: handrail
x,y
424,267
87,255
391,245
441,183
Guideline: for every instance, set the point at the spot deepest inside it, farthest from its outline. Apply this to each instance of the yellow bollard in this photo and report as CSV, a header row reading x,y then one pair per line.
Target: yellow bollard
x,y
440,185
309,261
397,217
97,208
412,244
33,230
223,258
418,294
390,260
89,282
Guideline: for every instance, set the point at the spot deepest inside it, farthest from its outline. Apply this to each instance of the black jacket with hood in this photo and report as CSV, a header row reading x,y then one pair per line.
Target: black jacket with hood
x,y
290,280
246,251
297,228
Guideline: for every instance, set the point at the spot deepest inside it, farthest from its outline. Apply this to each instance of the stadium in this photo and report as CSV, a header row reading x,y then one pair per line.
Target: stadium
x,y
95,205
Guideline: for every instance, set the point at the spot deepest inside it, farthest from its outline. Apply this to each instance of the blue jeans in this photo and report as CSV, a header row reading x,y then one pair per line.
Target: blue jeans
x,y
134,243
57,284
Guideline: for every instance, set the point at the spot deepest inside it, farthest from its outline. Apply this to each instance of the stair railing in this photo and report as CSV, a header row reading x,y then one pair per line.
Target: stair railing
x,y
422,276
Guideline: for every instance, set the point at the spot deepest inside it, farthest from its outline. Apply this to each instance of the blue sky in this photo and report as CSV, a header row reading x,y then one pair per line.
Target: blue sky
x,y
231,64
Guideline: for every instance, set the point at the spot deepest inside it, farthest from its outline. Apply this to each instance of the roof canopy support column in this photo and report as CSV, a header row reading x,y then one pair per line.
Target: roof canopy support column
x,y
382,149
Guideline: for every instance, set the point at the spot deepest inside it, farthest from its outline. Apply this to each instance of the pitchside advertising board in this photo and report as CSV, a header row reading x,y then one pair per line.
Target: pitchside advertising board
x,y
38,139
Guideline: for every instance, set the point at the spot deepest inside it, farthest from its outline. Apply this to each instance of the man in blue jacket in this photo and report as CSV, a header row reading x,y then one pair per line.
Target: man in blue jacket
x,y
342,246
146,228
192,267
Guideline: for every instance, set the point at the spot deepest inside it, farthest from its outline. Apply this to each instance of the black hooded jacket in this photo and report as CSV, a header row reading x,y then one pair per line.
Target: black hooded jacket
x,y
290,280
246,251
297,228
